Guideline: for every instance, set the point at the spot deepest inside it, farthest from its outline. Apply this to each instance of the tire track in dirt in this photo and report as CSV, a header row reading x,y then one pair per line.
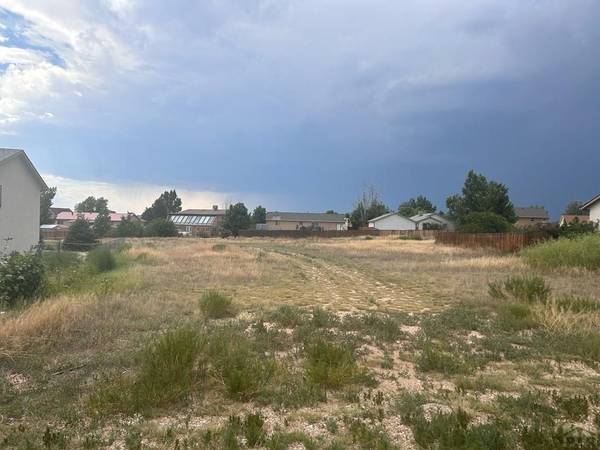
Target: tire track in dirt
x,y
338,287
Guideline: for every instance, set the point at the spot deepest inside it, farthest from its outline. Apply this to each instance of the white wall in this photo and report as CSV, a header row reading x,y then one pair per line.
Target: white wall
x,y
20,208
595,213
393,222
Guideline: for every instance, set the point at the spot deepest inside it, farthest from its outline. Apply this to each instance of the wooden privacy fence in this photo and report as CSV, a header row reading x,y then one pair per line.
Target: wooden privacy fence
x,y
298,234
504,242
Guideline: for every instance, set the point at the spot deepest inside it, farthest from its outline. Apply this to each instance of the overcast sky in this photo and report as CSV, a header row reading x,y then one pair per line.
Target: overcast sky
x,y
299,104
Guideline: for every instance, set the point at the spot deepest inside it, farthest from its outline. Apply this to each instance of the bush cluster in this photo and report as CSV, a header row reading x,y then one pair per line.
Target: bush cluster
x,y
21,277
582,252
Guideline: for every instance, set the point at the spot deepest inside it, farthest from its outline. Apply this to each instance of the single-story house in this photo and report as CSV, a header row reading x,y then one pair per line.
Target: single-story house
x,y
593,206
432,221
566,219
54,212
531,216
198,222
305,221
20,189
392,221
68,217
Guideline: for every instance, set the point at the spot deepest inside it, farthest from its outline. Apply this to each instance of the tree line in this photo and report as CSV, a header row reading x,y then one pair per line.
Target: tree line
x,y
482,206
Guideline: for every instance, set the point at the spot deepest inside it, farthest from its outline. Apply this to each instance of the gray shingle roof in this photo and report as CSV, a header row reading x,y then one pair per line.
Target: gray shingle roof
x,y
201,212
531,213
305,217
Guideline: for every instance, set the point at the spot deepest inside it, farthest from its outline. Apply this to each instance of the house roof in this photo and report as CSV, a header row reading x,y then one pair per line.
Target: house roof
x,y
568,218
592,202
531,213
6,154
201,212
59,210
433,216
90,217
383,216
305,217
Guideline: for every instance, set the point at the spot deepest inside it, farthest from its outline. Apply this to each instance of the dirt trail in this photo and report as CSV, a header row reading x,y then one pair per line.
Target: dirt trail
x,y
344,288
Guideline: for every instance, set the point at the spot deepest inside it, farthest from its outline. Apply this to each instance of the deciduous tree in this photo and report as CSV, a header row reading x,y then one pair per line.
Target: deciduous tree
x,y
46,200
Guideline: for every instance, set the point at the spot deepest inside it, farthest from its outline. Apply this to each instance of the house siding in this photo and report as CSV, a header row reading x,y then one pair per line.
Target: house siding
x,y
393,222
595,213
20,207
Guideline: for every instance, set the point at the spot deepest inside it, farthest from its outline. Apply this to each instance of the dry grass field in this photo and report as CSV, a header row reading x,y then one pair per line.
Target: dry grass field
x,y
340,343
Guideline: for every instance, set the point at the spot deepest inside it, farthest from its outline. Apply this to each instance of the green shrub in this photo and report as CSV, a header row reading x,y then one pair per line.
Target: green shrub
x,y
236,361
219,247
515,316
169,367
160,228
381,327
284,441
129,227
22,277
59,261
294,391
331,365
215,305
434,359
484,222
574,408
583,252
322,318
287,316
528,289
80,236
253,430
368,437
101,259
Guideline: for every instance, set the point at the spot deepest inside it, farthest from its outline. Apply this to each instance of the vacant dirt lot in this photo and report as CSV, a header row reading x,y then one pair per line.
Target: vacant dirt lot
x,y
339,343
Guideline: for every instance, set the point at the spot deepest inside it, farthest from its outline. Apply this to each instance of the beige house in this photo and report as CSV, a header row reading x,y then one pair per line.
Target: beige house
x,y
305,221
198,222
531,217
20,188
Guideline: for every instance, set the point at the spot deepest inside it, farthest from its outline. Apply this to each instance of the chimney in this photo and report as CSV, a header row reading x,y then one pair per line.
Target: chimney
x,y
215,207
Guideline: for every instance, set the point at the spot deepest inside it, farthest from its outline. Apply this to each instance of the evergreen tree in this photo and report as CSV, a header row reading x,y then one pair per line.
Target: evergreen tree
x,y
259,215
80,236
236,219
102,225
168,203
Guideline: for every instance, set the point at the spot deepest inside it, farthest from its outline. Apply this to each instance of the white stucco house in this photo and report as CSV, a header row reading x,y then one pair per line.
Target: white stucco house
x,y
20,188
392,221
429,221
593,206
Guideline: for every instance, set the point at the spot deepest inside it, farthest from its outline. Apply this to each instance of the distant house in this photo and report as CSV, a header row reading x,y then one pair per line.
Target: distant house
x,y
432,221
20,188
198,222
54,212
531,217
593,206
392,222
566,219
305,221
68,217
